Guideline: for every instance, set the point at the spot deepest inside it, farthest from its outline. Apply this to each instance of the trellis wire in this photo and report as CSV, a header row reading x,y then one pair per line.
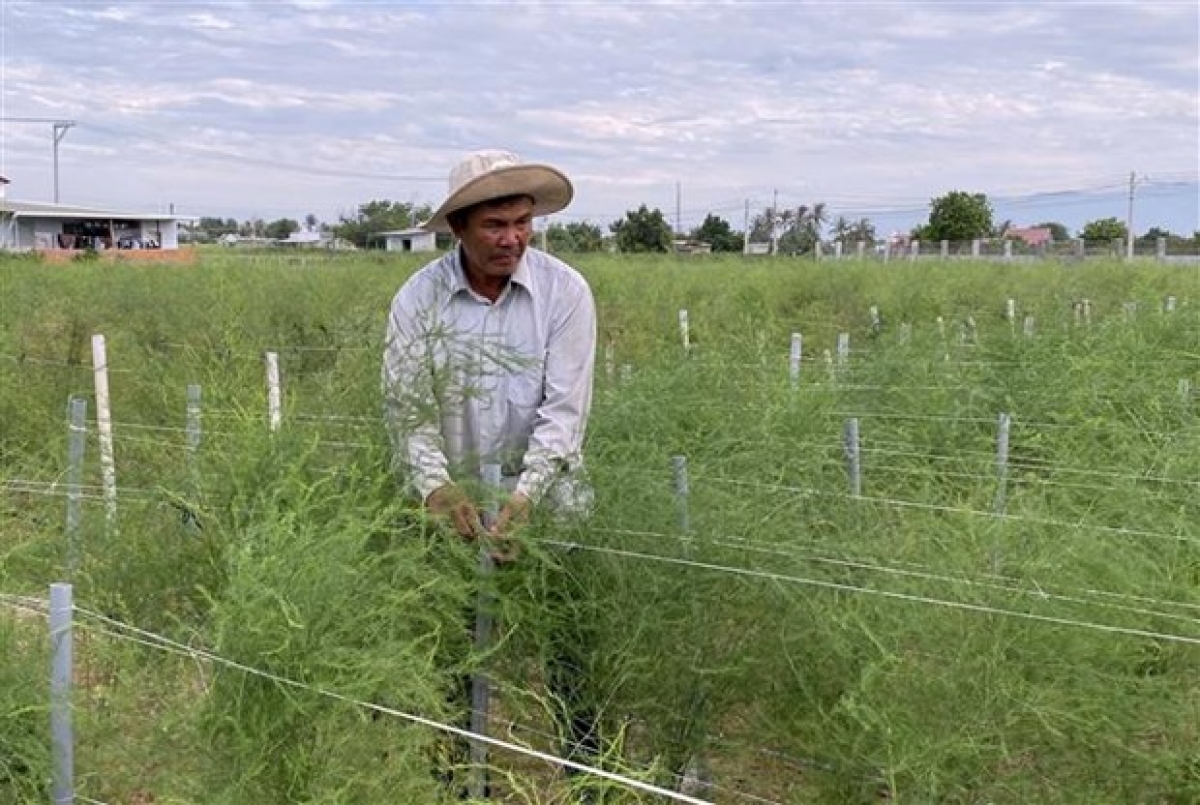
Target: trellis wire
x,y
780,577
152,640
984,579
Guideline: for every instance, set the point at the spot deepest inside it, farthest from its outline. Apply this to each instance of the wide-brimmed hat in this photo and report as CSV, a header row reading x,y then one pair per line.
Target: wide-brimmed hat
x,y
486,175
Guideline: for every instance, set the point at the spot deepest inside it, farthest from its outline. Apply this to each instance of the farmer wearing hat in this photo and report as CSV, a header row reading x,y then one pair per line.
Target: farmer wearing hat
x,y
489,359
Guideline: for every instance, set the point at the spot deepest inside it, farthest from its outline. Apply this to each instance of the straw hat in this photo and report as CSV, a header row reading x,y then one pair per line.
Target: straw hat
x,y
486,175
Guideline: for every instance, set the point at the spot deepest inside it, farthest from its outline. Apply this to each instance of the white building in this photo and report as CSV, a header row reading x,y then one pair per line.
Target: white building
x,y
409,240
29,225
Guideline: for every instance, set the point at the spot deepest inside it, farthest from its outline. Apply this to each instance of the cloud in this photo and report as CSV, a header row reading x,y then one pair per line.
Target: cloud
x,y
874,103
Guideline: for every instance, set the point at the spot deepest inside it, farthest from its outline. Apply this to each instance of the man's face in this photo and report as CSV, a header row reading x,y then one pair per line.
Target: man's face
x,y
494,236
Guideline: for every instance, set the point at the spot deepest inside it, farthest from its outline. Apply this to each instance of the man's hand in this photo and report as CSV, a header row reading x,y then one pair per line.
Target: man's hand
x,y
513,515
451,503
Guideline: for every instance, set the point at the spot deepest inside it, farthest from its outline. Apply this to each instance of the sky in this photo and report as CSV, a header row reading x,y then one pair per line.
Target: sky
x,y
282,108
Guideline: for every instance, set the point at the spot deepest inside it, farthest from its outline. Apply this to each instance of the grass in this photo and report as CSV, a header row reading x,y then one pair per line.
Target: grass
x,y
808,646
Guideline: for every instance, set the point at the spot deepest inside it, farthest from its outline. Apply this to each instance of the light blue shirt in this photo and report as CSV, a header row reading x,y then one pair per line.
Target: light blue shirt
x,y
469,381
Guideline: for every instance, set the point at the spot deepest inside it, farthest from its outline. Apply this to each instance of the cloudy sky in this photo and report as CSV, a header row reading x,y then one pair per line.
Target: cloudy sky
x,y
279,108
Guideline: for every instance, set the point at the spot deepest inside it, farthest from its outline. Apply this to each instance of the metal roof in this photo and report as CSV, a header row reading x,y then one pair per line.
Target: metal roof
x,y
37,209
406,233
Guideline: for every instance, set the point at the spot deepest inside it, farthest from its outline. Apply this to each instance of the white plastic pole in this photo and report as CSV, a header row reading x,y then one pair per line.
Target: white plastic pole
x,y
876,322
108,465
1029,326
609,361
843,349
684,335
62,739
274,396
794,357
1170,304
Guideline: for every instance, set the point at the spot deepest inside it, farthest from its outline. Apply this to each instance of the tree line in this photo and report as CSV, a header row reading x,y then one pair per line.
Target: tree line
x,y
957,216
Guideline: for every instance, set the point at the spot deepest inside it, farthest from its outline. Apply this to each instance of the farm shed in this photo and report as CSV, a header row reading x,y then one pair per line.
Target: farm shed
x,y
409,240
36,226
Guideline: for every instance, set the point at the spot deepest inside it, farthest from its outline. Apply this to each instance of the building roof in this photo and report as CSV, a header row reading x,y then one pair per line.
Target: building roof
x,y
38,209
411,232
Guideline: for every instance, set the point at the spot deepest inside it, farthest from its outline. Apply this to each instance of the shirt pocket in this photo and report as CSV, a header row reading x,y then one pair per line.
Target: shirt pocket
x,y
525,390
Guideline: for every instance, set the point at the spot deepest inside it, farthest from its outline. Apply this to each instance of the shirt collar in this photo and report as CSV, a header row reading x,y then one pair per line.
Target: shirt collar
x,y
523,276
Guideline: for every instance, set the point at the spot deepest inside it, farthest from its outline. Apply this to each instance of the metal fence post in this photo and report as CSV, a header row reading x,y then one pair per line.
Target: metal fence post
x,y
679,466
480,683
62,740
794,358
1001,501
76,442
853,456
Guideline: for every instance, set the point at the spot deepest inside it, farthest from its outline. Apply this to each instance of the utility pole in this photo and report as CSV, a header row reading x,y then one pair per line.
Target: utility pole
x,y
746,231
679,209
775,222
58,131
1129,218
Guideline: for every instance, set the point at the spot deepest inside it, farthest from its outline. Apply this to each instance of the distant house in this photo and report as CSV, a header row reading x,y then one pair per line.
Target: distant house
x,y
306,238
60,228
1032,236
414,239
689,246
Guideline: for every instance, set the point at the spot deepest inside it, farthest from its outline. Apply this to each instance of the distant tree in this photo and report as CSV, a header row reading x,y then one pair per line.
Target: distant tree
x,y
214,228
251,227
717,232
1103,230
1153,234
577,236
861,230
310,222
803,230
643,230
375,217
280,229
1058,232
790,231
957,216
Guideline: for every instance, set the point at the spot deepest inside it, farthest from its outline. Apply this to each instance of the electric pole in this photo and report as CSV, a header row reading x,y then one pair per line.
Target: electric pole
x,y
1129,218
775,222
746,231
679,209
58,131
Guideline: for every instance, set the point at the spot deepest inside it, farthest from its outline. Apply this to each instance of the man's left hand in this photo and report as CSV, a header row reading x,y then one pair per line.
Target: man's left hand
x,y
513,515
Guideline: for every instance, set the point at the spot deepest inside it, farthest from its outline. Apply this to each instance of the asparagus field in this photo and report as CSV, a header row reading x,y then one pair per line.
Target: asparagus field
x,y
916,532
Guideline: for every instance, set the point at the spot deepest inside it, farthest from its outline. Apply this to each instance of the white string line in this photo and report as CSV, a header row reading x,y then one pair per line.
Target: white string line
x,y
28,608
24,359
1016,481
743,544
1013,583
159,642
910,504
86,492
922,599
1024,463
1016,423
89,800
513,727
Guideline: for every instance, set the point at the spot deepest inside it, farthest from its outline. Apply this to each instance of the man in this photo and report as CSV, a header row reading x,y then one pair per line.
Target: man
x,y
489,359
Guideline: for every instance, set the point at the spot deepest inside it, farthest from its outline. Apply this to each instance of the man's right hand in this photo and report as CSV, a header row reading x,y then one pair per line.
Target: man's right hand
x,y
451,503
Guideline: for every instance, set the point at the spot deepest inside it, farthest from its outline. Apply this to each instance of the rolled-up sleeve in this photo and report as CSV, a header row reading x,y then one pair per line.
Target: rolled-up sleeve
x,y
556,443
